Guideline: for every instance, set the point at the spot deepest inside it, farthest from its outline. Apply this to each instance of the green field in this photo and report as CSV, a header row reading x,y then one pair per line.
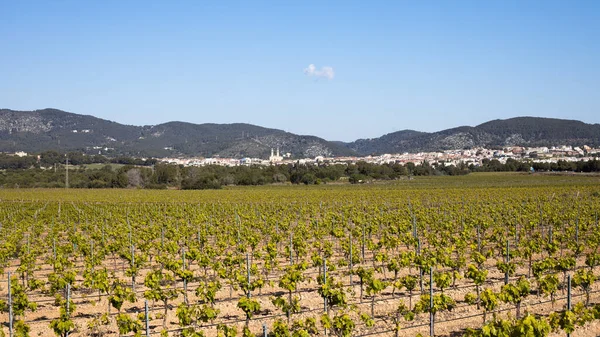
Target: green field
x,y
212,262
99,166
268,192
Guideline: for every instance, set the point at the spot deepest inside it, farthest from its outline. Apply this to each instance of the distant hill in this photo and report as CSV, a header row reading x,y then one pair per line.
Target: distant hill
x,y
52,129
521,131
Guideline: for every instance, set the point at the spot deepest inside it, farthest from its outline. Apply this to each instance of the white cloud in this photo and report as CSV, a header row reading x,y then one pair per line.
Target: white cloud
x,y
324,72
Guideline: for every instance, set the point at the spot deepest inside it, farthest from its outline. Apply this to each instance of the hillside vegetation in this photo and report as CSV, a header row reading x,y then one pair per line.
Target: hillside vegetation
x,y
51,129
520,131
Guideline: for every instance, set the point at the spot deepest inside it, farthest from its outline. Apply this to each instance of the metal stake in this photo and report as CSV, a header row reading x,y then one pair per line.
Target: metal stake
x,y
507,261
325,282
568,295
363,243
133,268
248,270
431,315
68,300
146,316
350,259
10,309
291,250
184,280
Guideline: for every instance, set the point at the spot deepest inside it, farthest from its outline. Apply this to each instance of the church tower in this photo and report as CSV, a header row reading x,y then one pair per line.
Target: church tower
x,y
275,157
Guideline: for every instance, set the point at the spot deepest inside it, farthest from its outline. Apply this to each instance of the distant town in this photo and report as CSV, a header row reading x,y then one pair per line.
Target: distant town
x,y
469,157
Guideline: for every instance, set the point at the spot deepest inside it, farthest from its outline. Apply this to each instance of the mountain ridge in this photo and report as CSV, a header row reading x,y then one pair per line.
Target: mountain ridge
x,y
54,129
516,131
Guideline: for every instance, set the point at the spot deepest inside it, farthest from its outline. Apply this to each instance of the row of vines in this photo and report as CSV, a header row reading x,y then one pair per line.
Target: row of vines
x,y
342,261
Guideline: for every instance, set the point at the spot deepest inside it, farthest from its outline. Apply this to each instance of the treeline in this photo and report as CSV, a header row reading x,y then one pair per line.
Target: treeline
x,y
50,159
513,165
49,171
211,177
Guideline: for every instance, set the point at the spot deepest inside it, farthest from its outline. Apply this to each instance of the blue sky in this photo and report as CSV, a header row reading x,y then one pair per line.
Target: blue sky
x,y
424,65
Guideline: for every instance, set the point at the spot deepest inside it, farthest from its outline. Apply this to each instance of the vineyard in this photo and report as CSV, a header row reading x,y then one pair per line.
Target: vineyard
x,y
487,255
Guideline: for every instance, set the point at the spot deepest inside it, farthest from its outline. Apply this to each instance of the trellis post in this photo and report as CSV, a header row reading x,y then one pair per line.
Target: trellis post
x,y
431,314
10,309
146,318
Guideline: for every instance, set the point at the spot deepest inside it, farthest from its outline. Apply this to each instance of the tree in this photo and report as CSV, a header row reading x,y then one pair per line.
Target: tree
x,y
309,179
134,178
166,174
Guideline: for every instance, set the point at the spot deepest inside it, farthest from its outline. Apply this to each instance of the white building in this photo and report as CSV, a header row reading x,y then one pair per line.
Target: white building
x,y
275,158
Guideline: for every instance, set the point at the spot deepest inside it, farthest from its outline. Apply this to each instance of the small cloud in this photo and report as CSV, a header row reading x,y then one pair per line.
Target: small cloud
x,y
324,72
